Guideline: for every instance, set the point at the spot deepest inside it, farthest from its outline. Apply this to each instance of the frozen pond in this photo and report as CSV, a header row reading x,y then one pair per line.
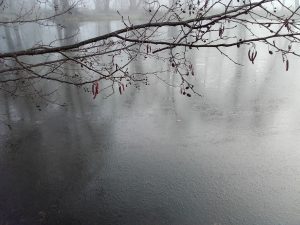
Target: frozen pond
x,y
153,156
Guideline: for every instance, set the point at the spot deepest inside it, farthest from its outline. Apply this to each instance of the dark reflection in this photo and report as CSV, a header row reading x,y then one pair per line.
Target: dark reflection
x,y
8,38
45,170
68,34
18,43
239,79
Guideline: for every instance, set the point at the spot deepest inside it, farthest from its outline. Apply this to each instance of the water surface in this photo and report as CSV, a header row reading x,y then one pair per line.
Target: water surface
x,y
153,156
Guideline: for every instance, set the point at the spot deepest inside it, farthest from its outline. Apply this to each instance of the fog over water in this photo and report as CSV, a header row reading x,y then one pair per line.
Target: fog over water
x,y
153,156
